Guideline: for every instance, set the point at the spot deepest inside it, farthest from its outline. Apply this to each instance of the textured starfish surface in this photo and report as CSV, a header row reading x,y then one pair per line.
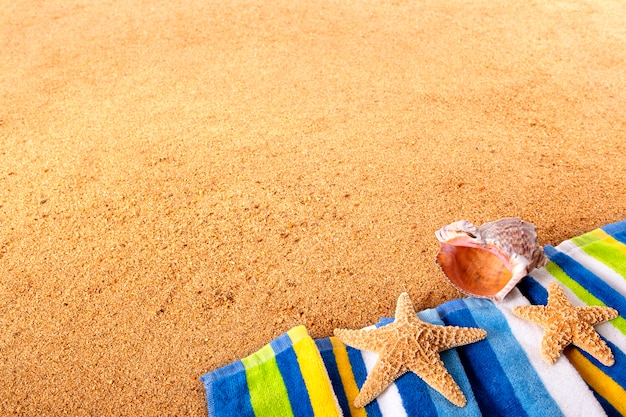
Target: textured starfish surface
x,y
409,344
565,324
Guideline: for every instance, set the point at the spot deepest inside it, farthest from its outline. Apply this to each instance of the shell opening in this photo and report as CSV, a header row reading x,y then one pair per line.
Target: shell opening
x,y
474,270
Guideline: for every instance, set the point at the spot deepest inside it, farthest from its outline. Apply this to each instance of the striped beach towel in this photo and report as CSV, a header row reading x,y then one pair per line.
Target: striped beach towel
x,y
284,378
503,374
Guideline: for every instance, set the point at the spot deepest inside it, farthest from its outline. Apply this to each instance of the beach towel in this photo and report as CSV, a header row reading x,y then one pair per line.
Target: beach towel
x,y
503,374
284,378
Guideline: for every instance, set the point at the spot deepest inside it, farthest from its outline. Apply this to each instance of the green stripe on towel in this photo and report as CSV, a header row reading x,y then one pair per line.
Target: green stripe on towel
x,y
268,393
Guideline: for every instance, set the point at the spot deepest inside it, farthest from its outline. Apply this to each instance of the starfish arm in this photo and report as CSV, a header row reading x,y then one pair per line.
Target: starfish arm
x,y
536,314
557,297
434,373
364,339
553,343
404,308
383,374
453,336
590,341
596,314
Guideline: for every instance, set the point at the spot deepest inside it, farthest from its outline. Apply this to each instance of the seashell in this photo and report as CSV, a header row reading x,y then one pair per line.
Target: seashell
x,y
488,261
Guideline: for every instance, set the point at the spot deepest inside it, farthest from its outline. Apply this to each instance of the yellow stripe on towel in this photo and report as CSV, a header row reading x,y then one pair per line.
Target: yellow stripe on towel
x,y
347,377
607,250
314,374
604,236
610,390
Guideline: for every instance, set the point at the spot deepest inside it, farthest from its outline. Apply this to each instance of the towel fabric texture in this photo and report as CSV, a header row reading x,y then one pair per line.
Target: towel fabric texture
x,y
501,375
284,378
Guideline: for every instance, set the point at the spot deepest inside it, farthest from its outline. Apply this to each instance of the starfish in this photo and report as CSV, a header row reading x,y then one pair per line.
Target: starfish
x,y
565,324
409,344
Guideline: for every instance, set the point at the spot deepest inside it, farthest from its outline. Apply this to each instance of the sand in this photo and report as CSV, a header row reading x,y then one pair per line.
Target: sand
x,y
181,183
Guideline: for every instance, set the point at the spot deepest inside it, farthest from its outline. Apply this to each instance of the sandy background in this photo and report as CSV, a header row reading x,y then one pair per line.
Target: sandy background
x,y
181,183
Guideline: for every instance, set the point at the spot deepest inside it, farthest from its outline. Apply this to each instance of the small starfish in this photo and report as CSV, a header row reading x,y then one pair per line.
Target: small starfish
x,y
565,324
409,344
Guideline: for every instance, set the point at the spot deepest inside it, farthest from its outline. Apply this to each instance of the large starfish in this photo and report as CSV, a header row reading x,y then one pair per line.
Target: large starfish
x,y
409,344
565,324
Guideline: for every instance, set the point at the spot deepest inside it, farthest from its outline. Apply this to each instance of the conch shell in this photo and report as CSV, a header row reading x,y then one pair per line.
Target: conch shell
x,y
488,261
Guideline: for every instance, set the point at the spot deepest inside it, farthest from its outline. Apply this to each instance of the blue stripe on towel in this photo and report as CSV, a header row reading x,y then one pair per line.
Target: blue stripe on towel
x,y
454,366
493,391
529,388
415,398
617,230
325,347
287,362
587,279
533,291
608,408
228,388
360,374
